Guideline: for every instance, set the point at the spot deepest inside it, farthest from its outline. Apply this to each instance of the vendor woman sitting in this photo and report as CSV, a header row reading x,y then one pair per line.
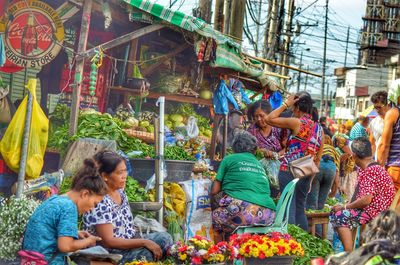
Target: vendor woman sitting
x,y
112,219
374,193
241,191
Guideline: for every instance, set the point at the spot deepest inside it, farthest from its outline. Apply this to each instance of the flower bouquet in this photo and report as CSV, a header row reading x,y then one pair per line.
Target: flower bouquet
x,y
273,248
200,250
181,253
218,254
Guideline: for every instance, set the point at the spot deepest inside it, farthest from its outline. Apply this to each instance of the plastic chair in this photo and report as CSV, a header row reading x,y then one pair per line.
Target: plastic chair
x,y
282,214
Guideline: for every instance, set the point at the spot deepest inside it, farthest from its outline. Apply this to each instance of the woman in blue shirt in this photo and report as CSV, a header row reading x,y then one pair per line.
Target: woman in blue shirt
x,y
53,228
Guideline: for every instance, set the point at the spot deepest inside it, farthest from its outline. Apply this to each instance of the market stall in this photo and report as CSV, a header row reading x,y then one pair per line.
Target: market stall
x,y
123,58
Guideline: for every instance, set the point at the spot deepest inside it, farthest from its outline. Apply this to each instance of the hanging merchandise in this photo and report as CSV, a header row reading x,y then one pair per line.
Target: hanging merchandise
x,y
222,97
10,145
2,51
275,99
238,93
97,61
6,107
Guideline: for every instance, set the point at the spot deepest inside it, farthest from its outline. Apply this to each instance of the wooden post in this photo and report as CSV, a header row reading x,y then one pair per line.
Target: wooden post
x,y
80,61
237,19
205,10
272,30
288,34
266,33
219,15
132,57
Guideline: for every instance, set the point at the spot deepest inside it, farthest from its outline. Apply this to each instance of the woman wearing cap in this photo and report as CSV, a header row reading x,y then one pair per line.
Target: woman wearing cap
x,y
305,139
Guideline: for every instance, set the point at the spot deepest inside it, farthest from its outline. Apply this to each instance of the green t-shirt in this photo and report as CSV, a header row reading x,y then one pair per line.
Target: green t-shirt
x,y
243,177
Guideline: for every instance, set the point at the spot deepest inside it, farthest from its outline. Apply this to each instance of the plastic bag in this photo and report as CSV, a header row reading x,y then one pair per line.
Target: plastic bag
x,y
198,217
147,225
11,144
192,128
271,167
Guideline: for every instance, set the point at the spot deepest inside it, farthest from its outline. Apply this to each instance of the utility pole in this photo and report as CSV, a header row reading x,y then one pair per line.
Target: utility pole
x,y
272,30
205,10
299,76
347,46
326,100
324,58
288,34
266,32
227,17
237,19
258,28
219,15
305,84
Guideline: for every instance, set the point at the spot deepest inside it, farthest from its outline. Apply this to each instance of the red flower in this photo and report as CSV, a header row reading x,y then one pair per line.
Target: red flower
x,y
281,250
261,255
183,248
247,249
197,260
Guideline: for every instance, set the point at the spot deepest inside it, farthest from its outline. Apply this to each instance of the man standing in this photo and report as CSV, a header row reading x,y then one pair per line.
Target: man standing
x,y
359,129
389,146
379,99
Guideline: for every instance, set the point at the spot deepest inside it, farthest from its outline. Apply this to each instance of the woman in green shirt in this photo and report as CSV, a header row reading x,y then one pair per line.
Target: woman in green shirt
x,y
241,190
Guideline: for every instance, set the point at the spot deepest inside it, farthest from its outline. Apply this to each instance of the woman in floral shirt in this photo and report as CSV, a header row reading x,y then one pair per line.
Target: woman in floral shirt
x,y
112,219
374,193
305,139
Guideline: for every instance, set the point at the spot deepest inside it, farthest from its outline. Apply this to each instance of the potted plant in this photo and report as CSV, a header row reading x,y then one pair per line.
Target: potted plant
x,y
267,249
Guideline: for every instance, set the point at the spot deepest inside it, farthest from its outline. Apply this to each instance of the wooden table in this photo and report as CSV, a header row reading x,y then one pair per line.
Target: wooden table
x,y
318,219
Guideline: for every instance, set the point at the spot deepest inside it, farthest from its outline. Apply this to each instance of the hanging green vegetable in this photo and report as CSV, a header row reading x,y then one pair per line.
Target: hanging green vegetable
x,y
97,61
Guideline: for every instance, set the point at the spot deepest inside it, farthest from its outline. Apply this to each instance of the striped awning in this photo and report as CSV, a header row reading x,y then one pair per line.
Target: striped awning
x,y
228,54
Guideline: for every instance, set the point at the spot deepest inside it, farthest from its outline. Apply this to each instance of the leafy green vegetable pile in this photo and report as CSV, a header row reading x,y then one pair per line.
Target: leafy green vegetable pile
x,y
134,191
177,153
314,247
326,209
332,201
95,125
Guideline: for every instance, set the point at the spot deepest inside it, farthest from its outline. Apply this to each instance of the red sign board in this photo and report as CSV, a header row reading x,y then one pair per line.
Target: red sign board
x,y
34,34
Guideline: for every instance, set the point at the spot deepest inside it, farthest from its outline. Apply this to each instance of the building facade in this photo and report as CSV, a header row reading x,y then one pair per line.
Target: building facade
x,y
354,88
380,37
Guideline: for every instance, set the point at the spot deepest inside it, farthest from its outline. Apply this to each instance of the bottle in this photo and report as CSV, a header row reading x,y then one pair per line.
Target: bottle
x,y
29,40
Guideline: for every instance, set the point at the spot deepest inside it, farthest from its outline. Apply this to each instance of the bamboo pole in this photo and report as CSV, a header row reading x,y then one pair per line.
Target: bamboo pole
x,y
282,65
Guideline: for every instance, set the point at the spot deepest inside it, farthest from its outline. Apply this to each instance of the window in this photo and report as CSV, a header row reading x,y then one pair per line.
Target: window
x,y
341,82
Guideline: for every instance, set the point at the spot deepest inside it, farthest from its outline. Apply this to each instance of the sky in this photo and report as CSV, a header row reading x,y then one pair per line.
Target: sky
x,y
310,14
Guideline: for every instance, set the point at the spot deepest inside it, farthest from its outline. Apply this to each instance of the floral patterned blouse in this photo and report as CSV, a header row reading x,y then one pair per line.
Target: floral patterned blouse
x,y
374,180
273,141
109,212
307,141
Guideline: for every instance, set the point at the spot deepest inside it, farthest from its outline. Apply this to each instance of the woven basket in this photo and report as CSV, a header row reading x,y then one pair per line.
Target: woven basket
x,y
144,136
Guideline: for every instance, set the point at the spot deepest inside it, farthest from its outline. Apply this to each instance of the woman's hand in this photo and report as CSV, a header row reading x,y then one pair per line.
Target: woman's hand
x,y
268,154
291,100
154,248
83,234
92,240
337,207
